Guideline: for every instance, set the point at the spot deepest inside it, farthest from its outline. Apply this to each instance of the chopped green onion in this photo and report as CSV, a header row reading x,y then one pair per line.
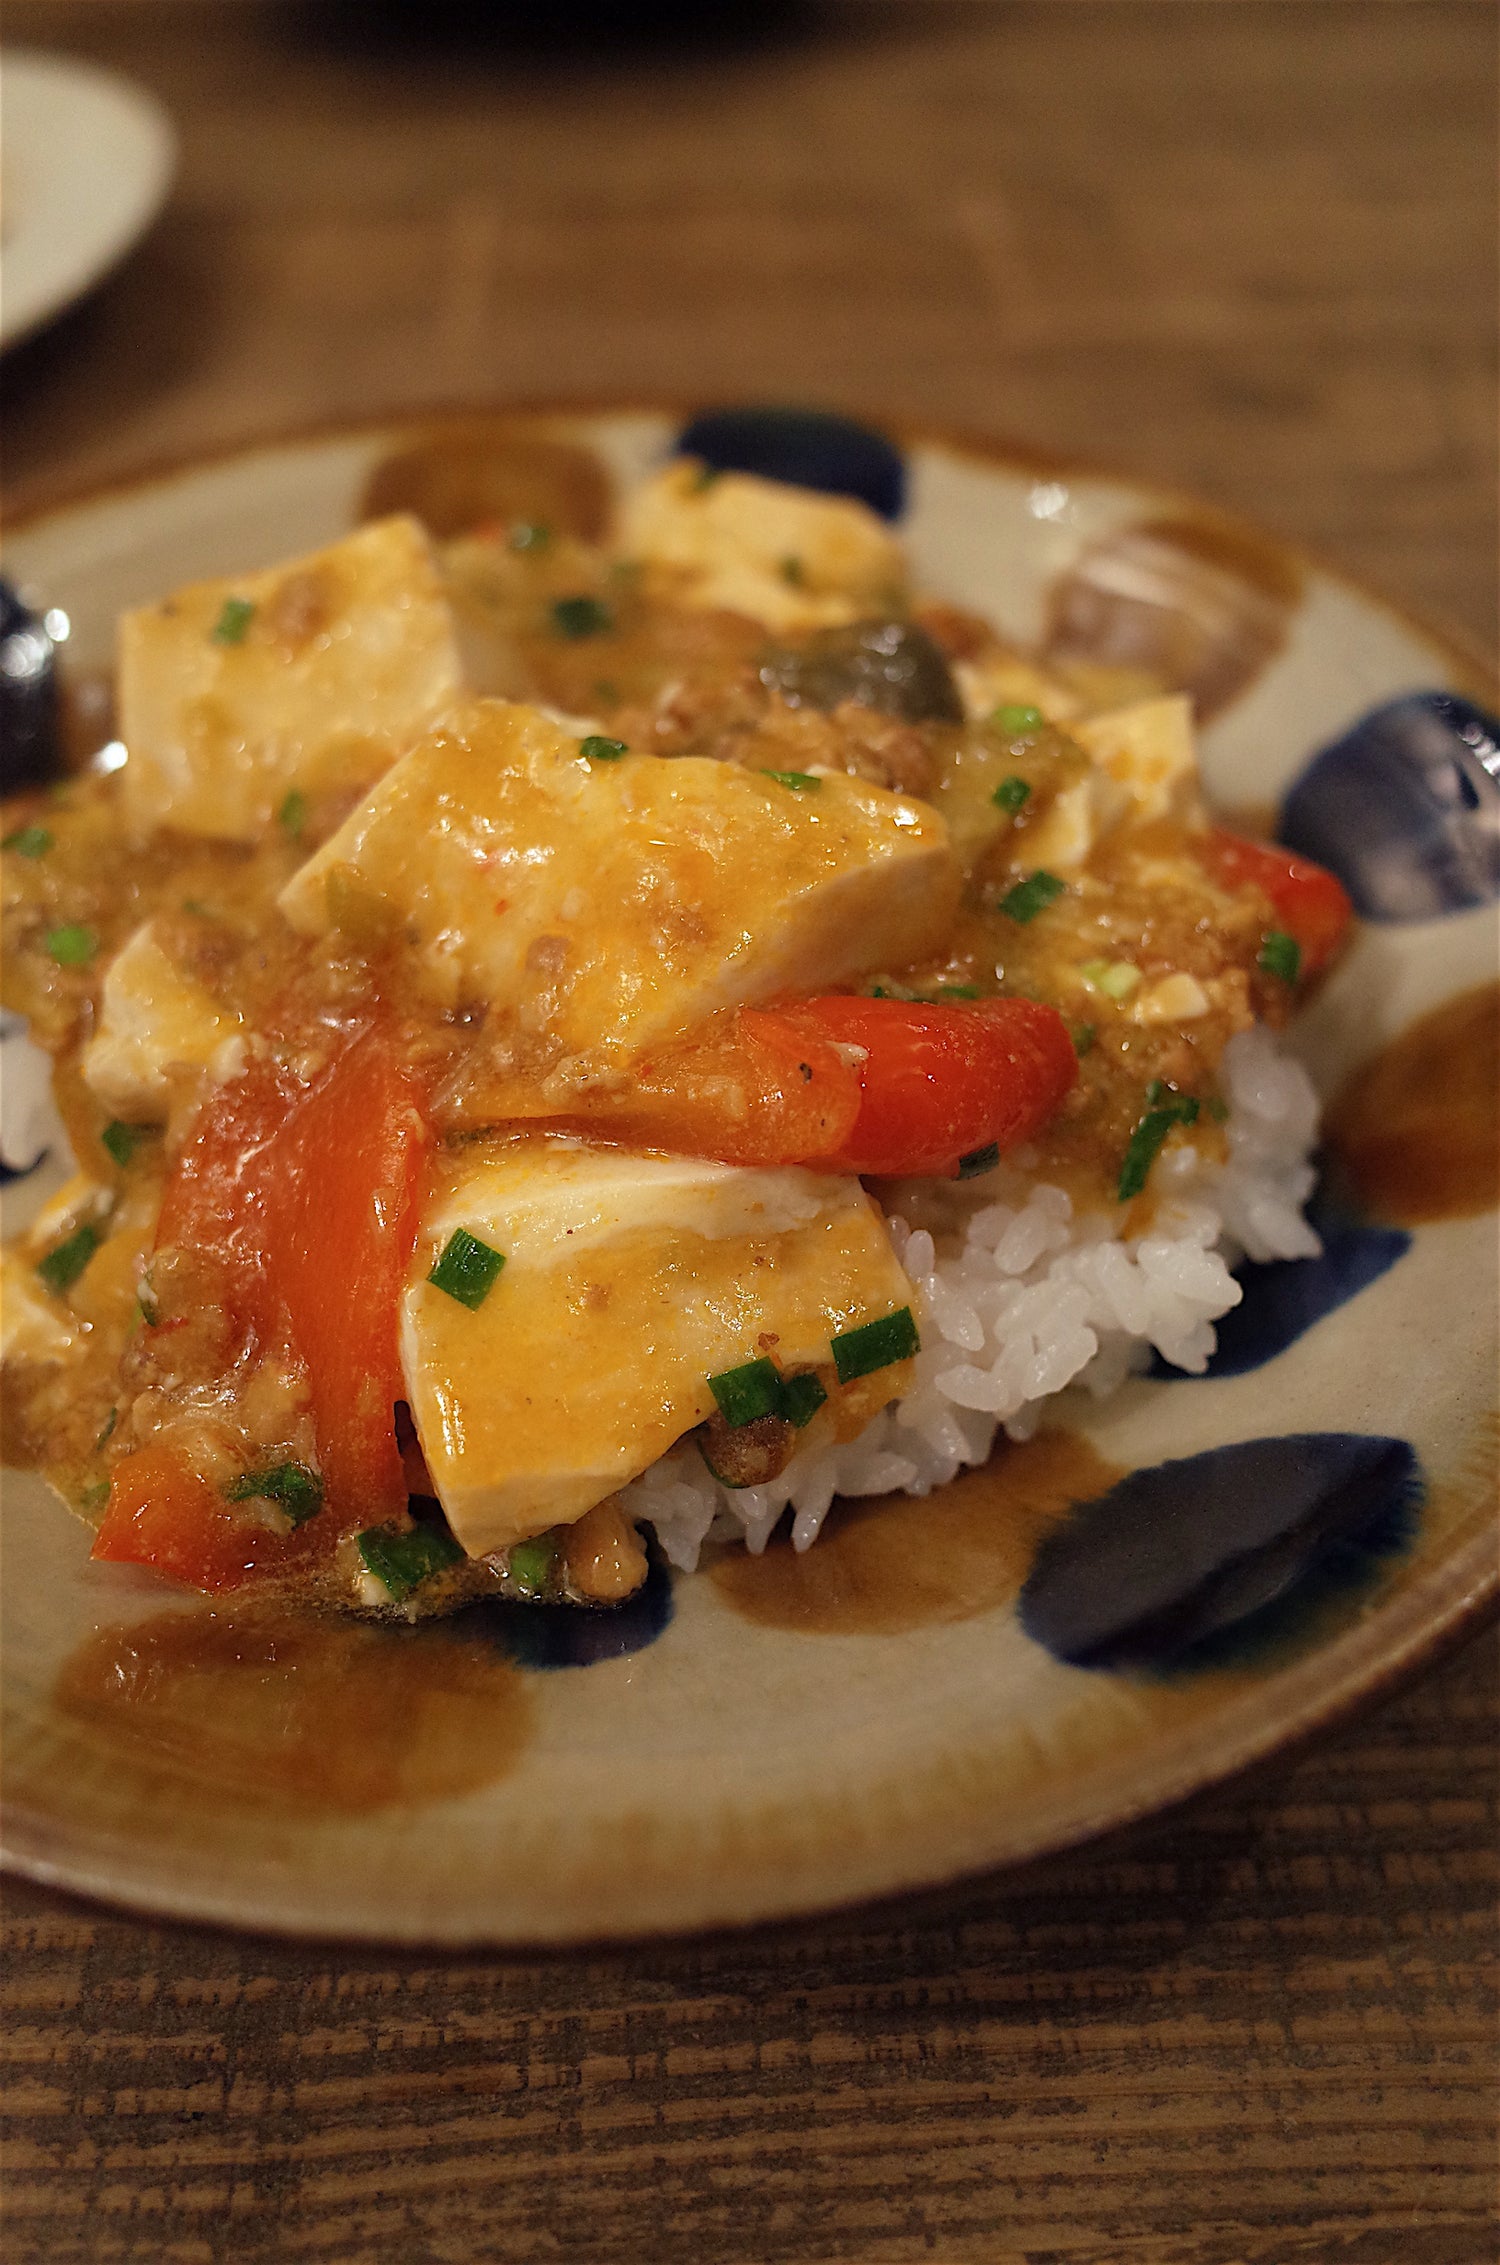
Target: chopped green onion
x,y
952,991
1011,793
29,841
1083,1039
858,1352
529,535
979,1160
531,1563
598,749
72,945
1014,717
1156,1091
62,1267
94,1496
747,1393
1280,955
1031,896
467,1270
791,570
1115,978
122,1140
108,1432
404,1560
800,782
1145,1142
292,816
801,1398
291,1486
235,617
581,617
145,1298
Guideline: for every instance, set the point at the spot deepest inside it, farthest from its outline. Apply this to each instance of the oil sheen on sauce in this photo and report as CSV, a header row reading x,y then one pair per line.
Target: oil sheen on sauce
x,y
270,1708
894,1563
1415,1134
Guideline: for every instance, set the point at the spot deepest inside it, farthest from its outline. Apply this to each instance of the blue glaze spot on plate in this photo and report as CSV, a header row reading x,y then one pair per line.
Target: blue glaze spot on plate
x,y
1405,808
1193,1562
563,1635
809,448
1285,1297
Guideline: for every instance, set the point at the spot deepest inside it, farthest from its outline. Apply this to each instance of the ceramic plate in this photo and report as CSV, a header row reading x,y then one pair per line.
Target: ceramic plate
x,y
776,1736
88,159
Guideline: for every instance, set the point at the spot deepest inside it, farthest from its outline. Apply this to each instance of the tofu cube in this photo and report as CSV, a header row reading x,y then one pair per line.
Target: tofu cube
x,y
154,1023
786,556
314,675
628,1282
596,907
1148,749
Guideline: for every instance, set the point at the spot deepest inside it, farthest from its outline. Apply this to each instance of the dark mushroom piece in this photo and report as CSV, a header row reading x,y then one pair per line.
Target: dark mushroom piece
x,y
893,667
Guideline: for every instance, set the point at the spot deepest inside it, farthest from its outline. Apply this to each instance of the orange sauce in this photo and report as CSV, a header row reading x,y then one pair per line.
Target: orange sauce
x,y
895,1563
278,1709
1416,1132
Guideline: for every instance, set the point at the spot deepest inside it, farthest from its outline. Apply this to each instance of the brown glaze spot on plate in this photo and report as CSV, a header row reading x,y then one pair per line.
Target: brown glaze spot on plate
x,y
896,1563
1416,1131
490,469
1196,605
278,1709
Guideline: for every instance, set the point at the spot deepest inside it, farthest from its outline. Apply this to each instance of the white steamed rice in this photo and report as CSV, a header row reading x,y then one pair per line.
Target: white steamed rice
x,y
1017,1300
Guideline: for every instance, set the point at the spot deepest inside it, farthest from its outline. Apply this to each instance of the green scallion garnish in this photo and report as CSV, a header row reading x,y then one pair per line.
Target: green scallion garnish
x,y
746,1394
859,1352
61,1268
979,1160
1011,793
1015,718
1280,955
598,749
952,991
1031,896
235,617
94,1497
1083,1039
801,1398
403,1561
72,945
1145,1142
531,1563
292,816
108,1432
581,617
468,1269
291,1486
529,535
29,841
122,1140
800,782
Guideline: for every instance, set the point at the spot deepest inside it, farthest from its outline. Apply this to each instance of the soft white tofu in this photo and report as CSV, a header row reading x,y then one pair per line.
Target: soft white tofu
x,y
313,675
783,555
1148,749
596,907
628,1282
154,1023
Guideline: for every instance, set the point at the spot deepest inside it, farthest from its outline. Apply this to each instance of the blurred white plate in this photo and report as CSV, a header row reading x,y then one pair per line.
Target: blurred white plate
x,y
87,162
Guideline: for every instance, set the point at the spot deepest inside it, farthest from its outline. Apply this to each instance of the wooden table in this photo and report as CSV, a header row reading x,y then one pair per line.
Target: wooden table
x,y
1250,249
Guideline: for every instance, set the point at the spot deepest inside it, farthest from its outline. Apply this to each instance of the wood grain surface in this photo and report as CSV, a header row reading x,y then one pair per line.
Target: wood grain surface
x,y
1245,248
